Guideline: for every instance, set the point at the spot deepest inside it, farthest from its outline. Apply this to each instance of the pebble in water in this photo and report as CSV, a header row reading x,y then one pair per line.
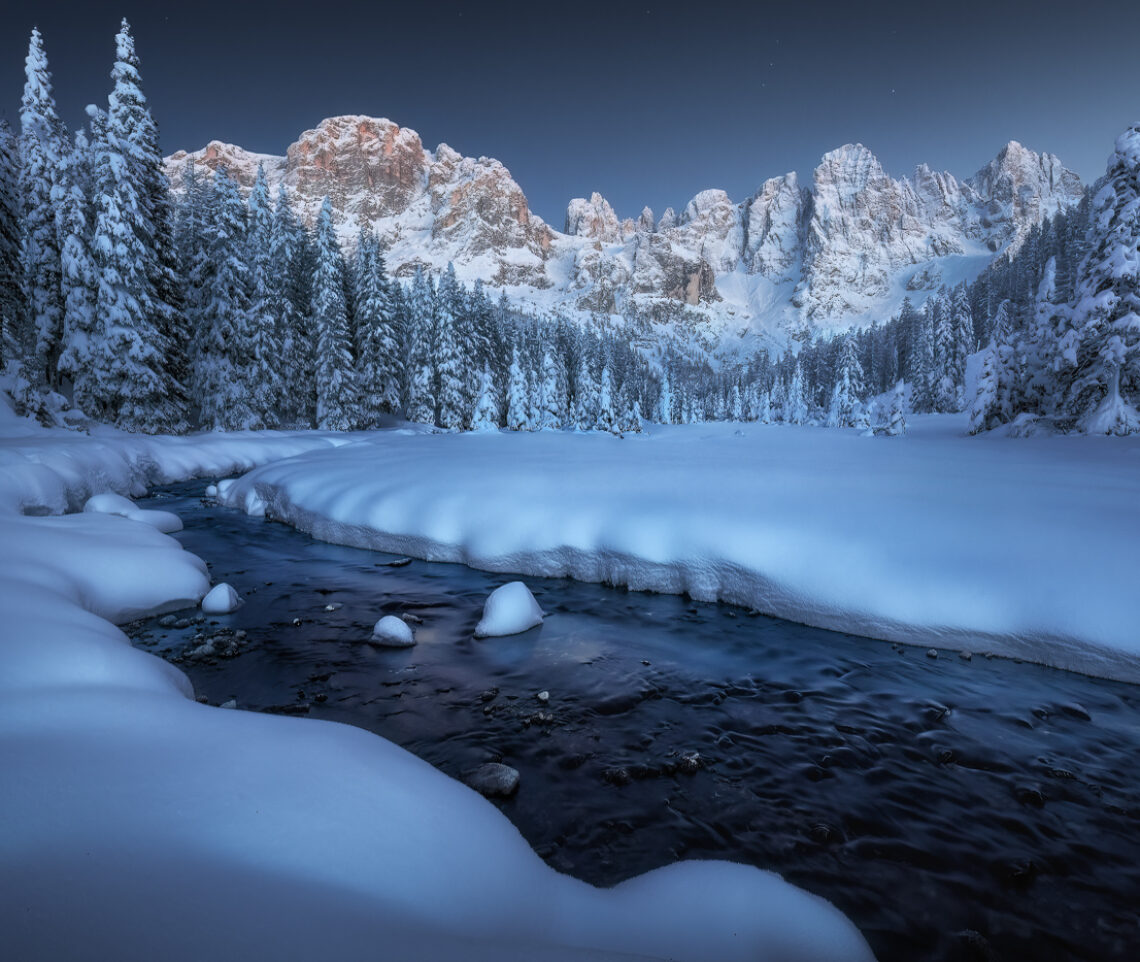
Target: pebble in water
x,y
494,780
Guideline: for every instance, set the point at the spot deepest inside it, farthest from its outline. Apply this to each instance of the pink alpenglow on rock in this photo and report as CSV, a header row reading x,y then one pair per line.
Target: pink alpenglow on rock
x,y
509,610
221,600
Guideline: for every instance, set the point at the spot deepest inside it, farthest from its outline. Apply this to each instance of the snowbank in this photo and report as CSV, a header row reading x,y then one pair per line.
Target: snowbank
x,y
1023,547
116,504
142,825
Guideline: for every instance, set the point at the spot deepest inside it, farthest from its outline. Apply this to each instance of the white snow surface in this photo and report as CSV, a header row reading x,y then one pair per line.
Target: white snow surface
x,y
393,632
1021,547
221,600
141,825
509,609
110,503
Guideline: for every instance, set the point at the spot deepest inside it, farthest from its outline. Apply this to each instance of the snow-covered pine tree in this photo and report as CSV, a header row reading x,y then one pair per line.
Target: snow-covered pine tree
x,y
336,399
13,306
586,394
923,373
448,373
795,404
896,416
518,400
78,276
665,398
42,150
130,384
132,129
377,338
605,418
420,401
485,416
221,352
264,380
993,401
553,413
845,398
1044,361
1104,394
290,287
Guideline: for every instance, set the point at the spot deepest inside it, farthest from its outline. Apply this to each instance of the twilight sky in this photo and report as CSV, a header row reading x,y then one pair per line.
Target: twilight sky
x,y
646,103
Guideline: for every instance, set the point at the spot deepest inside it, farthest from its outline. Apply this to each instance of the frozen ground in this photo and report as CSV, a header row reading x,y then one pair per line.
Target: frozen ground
x,y
1023,547
139,824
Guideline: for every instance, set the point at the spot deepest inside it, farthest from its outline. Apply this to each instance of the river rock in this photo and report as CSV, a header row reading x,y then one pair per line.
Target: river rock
x,y
393,632
494,780
221,600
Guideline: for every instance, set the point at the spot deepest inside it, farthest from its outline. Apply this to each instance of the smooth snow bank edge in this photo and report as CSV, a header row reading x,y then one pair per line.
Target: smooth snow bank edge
x,y
1015,548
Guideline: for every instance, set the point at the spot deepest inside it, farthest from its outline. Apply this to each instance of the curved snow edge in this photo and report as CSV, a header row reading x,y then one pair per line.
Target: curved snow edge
x,y
705,579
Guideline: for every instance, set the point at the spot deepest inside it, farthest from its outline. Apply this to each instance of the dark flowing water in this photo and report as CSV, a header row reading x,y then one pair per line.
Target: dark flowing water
x,y
953,809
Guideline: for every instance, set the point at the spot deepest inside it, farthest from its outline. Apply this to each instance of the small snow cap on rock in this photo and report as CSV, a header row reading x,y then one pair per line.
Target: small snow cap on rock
x,y
211,490
221,600
393,632
508,611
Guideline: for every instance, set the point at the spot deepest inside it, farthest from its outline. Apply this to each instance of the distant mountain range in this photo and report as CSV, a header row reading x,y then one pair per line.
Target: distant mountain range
x,y
839,251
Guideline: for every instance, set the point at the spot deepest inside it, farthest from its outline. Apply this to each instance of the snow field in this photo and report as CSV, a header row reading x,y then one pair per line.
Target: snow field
x,y
1021,547
141,825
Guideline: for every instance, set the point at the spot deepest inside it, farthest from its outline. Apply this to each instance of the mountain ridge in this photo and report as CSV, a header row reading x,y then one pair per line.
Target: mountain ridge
x,y
787,260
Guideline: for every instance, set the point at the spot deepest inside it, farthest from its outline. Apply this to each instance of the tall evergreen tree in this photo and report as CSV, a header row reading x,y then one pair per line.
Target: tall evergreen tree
x,y
13,306
222,350
846,406
42,150
1105,390
264,379
378,360
336,402
290,288
133,130
79,277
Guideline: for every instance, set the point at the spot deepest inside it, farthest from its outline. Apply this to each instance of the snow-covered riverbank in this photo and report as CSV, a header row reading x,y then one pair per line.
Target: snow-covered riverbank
x,y
140,824
1023,547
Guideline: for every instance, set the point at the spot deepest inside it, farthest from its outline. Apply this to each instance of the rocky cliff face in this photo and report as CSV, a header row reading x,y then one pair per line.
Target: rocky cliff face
x,y
790,257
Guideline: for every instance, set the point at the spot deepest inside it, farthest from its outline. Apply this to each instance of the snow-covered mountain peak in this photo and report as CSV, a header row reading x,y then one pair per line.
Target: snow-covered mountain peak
x,y
594,219
842,250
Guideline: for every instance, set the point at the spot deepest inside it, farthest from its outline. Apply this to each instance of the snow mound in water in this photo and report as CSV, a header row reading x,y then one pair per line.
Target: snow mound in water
x,y
508,611
393,632
221,600
109,503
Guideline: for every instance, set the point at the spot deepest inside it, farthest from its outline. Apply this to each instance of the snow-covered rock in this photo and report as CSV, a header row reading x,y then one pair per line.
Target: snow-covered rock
x,y
111,503
831,254
509,609
393,632
221,600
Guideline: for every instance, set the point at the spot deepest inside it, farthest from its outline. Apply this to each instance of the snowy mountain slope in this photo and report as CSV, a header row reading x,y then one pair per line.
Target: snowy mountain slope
x,y
790,258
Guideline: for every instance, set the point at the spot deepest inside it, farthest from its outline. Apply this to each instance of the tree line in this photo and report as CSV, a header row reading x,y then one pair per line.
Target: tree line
x,y
160,312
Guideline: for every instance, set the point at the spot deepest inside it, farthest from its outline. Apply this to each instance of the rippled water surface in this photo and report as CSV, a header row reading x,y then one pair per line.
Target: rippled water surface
x,y
953,809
